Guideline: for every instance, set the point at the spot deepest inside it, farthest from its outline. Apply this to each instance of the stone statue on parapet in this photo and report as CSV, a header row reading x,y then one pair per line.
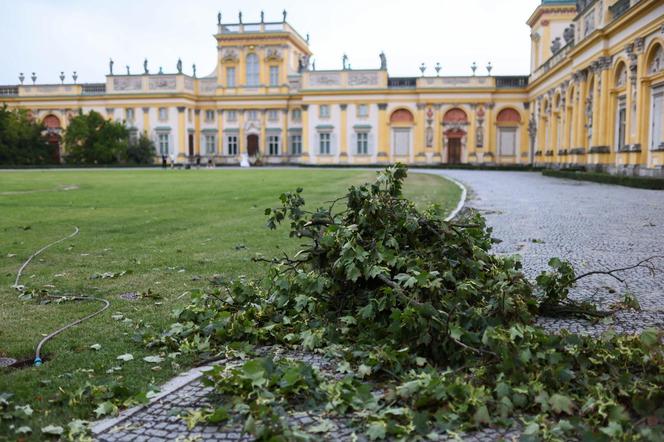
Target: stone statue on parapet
x,y
344,62
128,73
179,66
240,17
262,16
219,18
110,66
145,66
383,61
194,69
285,14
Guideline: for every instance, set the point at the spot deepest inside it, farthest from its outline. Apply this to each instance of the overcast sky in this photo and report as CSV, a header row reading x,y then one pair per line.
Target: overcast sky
x,y
49,36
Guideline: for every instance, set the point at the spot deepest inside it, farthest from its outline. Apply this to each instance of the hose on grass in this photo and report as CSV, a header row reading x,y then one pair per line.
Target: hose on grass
x,y
38,360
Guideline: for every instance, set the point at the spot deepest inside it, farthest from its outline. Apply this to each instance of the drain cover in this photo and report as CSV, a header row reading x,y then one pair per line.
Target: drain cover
x,y
7,362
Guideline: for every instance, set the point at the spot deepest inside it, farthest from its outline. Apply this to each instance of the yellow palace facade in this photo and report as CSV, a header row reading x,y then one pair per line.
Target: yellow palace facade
x,y
594,98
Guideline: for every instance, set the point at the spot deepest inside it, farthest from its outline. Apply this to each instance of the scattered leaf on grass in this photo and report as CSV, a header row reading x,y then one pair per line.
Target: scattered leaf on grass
x,y
96,347
153,359
52,430
126,357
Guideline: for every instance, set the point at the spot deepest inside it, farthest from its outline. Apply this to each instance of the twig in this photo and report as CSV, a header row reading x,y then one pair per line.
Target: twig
x,y
646,263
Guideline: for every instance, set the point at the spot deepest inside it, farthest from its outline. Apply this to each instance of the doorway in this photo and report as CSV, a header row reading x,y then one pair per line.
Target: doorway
x,y
191,145
252,145
454,151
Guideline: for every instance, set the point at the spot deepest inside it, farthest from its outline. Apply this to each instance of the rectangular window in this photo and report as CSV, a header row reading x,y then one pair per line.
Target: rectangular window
x,y
129,114
163,114
507,141
210,144
325,143
362,143
231,116
273,144
252,115
274,75
163,144
296,144
133,136
296,115
621,125
324,111
273,115
363,111
656,114
231,144
209,115
230,77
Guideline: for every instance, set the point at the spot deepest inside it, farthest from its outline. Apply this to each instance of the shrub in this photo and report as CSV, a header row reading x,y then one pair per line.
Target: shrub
x,y
605,178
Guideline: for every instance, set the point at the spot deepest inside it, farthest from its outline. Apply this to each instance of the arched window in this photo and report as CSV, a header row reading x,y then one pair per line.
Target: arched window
x,y
252,70
508,115
656,62
401,116
455,115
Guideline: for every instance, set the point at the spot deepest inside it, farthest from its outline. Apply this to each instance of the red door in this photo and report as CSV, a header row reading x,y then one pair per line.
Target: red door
x,y
252,145
454,151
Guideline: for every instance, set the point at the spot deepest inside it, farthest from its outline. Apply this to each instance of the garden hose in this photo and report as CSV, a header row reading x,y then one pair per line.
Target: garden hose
x,y
21,288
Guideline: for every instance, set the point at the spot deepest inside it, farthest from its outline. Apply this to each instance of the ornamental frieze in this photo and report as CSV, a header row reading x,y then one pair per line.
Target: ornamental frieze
x,y
127,84
324,79
161,83
362,79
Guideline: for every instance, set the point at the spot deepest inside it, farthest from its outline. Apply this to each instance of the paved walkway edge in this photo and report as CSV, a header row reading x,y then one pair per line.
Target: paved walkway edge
x,y
168,388
462,200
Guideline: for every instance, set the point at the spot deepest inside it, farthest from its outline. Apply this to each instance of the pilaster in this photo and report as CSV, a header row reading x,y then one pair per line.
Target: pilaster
x,y
383,134
197,131
182,148
343,142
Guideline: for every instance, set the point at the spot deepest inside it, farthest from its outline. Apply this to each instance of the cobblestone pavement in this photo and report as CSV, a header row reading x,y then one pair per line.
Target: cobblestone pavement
x,y
596,227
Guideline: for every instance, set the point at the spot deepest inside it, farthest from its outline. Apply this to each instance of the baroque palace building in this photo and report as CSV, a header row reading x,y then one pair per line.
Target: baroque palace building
x,y
594,98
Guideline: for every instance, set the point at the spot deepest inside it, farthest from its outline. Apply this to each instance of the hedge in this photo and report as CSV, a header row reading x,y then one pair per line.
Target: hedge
x,y
605,178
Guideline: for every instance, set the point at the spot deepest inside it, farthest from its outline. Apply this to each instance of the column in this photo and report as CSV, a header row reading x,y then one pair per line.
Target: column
x,y
471,143
242,142
262,144
604,108
596,134
146,120
197,131
490,142
285,148
182,148
343,142
220,132
420,127
383,134
437,134
305,132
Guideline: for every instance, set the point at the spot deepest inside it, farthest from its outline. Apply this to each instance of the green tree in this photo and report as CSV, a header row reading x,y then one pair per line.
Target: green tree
x,y
22,140
141,151
91,139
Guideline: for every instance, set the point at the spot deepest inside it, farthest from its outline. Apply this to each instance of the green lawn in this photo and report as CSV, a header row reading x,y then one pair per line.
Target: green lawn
x,y
172,230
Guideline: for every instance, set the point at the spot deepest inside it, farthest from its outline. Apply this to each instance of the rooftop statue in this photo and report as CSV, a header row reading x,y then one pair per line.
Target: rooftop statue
x,y
128,73
262,17
145,66
179,66
285,14
344,61
383,61
240,17
219,18
194,69
110,66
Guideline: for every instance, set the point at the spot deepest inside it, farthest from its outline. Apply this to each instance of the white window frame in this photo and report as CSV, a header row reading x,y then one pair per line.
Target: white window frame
x,y
362,143
210,143
163,114
130,114
253,70
273,115
296,144
362,110
209,116
296,115
230,76
324,111
163,143
232,144
252,115
273,144
620,129
274,75
325,143
231,116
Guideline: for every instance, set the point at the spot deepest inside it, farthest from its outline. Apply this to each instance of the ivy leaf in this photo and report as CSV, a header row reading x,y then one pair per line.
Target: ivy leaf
x,y
613,430
560,403
52,430
323,426
376,430
364,370
105,408
153,359
482,416
649,337
77,427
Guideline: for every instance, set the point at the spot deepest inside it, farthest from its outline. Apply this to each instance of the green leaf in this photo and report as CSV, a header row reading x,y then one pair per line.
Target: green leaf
x,y
105,408
481,416
613,430
78,427
376,430
23,430
649,338
560,403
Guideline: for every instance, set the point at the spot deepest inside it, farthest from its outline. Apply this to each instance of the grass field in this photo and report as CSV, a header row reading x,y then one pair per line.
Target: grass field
x,y
171,231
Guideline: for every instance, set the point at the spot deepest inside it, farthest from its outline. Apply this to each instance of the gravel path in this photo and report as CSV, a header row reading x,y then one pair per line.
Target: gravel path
x,y
596,227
